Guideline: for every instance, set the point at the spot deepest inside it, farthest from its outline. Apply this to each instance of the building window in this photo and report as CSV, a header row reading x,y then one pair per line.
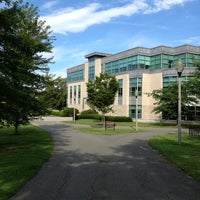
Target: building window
x,y
135,84
79,94
169,80
156,62
74,95
91,73
120,91
75,76
70,93
132,111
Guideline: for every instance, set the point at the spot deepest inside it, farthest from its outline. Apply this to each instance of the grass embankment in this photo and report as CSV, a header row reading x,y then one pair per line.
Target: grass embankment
x,y
186,156
21,156
108,131
129,124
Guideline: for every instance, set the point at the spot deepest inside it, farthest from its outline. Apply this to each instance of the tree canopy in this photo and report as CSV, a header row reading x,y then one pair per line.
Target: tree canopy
x,y
54,93
24,39
101,92
167,102
167,98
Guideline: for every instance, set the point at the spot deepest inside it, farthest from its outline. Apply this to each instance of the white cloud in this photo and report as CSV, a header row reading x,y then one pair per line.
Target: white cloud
x,y
77,20
49,4
191,40
159,5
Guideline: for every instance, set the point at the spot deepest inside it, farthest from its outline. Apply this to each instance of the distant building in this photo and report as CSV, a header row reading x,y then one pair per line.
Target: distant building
x,y
142,69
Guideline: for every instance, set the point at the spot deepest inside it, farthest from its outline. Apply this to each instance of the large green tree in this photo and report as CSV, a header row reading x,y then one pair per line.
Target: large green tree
x,y
167,101
194,83
101,93
24,39
54,93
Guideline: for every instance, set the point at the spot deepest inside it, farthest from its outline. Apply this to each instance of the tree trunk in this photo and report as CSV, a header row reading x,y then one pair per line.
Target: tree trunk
x,y
16,125
103,120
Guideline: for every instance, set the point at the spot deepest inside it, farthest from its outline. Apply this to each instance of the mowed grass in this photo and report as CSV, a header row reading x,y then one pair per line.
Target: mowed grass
x,y
186,156
129,124
21,156
108,131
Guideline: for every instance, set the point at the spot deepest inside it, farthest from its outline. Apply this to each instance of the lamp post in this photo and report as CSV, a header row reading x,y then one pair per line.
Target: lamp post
x,y
179,69
74,110
136,110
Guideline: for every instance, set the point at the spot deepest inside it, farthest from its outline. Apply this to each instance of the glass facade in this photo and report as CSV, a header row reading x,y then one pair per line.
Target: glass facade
x,y
132,111
70,94
75,76
79,94
74,95
150,62
168,80
135,84
91,73
120,91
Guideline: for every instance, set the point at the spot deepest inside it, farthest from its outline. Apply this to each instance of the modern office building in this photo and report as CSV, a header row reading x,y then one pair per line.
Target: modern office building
x,y
141,69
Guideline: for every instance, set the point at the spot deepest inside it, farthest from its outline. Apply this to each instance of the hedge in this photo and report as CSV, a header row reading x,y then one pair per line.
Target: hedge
x,y
67,112
118,119
108,118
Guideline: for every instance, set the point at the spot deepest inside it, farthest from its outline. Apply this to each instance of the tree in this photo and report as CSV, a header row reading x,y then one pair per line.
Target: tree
x,y
167,103
23,40
101,93
54,94
194,82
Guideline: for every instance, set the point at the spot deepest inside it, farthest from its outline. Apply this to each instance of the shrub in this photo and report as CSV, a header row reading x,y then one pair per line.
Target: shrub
x,y
90,116
118,119
67,112
88,112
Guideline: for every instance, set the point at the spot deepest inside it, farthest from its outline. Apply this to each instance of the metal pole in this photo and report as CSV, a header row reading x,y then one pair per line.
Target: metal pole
x,y
179,109
136,117
74,110
136,110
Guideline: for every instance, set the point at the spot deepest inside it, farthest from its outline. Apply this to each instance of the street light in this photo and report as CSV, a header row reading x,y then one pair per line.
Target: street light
x,y
179,69
74,110
136,112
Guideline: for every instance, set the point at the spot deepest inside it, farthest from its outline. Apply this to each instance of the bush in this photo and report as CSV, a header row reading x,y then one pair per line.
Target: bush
x,y
118,119
108,118
89,112
67,112
57,113
90,116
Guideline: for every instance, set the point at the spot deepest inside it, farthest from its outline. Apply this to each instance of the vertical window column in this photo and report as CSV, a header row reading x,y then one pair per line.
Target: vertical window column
x,y
79,94
74,95
120,91
70,95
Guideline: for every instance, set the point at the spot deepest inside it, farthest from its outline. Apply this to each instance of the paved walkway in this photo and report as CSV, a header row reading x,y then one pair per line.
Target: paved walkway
x,y
118,167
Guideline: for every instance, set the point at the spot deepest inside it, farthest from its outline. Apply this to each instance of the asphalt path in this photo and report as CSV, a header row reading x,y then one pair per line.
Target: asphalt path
x,y
99,167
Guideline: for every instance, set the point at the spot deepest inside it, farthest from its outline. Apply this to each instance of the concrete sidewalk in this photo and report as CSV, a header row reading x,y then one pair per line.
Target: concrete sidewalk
x,y
118,167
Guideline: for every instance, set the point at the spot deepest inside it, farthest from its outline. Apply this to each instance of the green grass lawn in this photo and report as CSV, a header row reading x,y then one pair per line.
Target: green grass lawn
x,y
108,131
21,156
130,124
186,156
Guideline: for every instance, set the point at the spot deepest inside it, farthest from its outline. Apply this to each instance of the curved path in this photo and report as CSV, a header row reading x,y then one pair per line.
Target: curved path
x,y
119,167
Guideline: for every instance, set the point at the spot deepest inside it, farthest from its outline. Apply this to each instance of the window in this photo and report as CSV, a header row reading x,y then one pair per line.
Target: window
x,y
75,76
156,62
70,94
168,80
91,73
132,111
74,95
79,94
135,84
120,91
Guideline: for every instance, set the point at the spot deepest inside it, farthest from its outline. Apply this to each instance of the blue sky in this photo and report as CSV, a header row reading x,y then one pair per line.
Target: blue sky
x,y
110,26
